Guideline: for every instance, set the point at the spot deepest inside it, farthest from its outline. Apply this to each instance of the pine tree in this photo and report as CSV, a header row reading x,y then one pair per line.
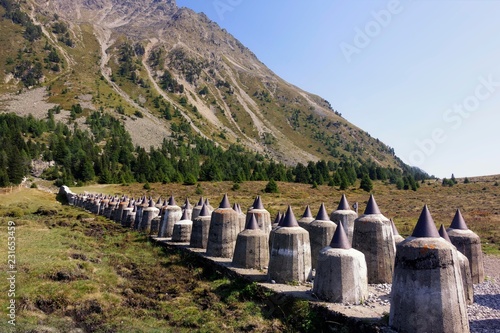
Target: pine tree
x,y
366,183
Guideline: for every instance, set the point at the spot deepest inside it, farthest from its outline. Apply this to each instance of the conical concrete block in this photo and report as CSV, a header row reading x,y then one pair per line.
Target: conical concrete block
x,y
373,236
182,229
306,218
345,215
251,249
427,291
201,227
224,229
171,214
321,232
341,273
468,243
290,259
262,216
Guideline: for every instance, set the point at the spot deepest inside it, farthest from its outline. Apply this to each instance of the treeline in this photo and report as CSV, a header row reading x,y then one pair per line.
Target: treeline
x,y
105,154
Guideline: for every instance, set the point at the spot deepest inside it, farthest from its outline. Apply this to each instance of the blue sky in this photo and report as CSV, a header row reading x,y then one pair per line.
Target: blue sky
x,y
422,76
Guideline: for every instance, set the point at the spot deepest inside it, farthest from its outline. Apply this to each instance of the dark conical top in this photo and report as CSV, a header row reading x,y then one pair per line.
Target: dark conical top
x,y
444,234
343,205
257,204
340,240
206,202
458,221
204,211
277,220
425,226
394,229
159,201
151,203
187,204
239,209
130,204
225,202
289,220
322,214
372,207
252,223
307,212
184,215
235,207
200,202
171,201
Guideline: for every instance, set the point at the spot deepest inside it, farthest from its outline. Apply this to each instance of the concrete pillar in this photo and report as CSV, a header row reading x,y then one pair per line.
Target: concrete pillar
x,y
251,250
182,228
306,218
346,216
262,216
117,216
209,207
108,211
469,243
155,226
159,204
373,236
140,205
171,215
201,227
341,273
104,205
148,214
321,232
290,259
126,211
188,208
464,270
197,209
427,291
224,229
129,222
241,215
397,237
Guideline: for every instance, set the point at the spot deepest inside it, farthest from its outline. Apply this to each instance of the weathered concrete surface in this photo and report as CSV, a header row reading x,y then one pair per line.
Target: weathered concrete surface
x,y
262,216
321,232
171,214
341,273
290,259
306,218
125,212
469,243
345,215
427,291
251,249
224,229
201,227
373,236
148,214
182,229
341,276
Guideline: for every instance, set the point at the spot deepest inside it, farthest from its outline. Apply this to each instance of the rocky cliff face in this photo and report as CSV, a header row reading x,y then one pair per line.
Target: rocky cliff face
x,y
184,70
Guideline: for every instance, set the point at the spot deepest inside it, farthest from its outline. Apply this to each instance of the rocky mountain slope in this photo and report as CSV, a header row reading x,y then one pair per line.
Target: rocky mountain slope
x,y
168,73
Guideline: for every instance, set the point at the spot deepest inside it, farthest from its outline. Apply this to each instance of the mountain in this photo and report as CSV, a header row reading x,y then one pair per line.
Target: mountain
x,y
166,73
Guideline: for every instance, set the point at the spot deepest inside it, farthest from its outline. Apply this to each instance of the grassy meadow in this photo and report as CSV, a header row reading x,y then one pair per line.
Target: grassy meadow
x,y
81,273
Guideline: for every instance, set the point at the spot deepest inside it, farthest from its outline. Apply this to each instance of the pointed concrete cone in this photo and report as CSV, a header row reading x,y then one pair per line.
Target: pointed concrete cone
x,y
290,259
171,214
148,214
464,270
210,208
373,236
159,203
251,250
201,227
188,208
397,237
306,218
262,216
197,209
224,229
277,220
469,243
182,229
341,274
427,289
321,231
344,215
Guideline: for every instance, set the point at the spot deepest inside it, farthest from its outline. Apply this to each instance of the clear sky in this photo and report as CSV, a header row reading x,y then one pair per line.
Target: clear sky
x,y
422,76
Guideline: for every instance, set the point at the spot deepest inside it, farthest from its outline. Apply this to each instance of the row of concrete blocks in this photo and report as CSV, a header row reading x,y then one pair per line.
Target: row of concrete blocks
x,y
293,248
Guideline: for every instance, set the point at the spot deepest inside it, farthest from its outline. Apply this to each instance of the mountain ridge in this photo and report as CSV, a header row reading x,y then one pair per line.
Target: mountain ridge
x,y
228,95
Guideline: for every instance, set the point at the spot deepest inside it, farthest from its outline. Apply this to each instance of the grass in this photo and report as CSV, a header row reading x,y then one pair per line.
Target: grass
x,y
76,270
478,201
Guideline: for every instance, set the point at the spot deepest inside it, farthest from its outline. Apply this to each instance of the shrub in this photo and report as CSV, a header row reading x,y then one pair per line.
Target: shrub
x,y
271,187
